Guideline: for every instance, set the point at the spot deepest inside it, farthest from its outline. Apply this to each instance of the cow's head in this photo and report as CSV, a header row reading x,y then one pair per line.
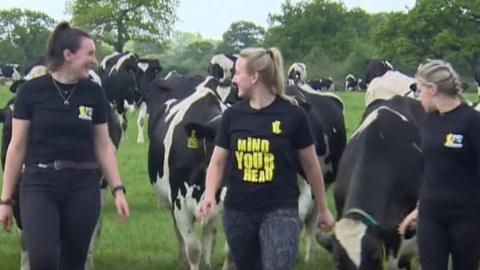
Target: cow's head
x,y
222,68
34,72
146,72
376,68
297,72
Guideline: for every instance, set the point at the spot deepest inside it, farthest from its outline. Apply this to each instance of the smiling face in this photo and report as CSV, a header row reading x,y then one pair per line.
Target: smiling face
x,y
243,79
82,60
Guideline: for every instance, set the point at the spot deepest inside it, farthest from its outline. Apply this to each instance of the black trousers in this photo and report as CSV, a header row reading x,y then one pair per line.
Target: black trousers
x,y
442,232
59,211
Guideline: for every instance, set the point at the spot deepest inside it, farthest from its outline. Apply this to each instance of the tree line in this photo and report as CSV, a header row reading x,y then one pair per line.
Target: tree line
x,y
330,38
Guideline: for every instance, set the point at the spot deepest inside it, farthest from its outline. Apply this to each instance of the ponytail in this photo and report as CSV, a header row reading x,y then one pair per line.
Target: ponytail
x,y
268,63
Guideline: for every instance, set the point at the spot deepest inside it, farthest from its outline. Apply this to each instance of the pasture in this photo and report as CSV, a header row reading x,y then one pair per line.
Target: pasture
x,y
148,240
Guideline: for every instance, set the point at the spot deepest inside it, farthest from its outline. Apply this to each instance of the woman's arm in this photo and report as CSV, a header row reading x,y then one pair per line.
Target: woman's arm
x,y
105,153
15,157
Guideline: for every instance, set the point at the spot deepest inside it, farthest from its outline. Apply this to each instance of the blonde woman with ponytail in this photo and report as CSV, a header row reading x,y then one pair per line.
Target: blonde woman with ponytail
x,y
256,150
449,199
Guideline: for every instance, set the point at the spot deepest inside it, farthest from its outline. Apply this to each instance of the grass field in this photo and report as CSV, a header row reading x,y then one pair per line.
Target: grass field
x,y
148,240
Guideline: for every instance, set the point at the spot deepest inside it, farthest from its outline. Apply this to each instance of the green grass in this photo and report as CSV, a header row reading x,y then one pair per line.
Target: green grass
x,y
148,240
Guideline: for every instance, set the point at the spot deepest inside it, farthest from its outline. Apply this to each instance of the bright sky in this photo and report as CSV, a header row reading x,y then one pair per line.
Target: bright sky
x,y
212,17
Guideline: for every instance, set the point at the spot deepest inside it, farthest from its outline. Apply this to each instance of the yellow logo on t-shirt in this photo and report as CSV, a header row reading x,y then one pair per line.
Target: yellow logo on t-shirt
x,y
85,112
192,141
454,140
254,158
276,129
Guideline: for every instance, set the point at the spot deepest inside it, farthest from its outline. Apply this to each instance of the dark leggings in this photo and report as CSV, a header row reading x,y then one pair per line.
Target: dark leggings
x,y
59,211
443,233
267,241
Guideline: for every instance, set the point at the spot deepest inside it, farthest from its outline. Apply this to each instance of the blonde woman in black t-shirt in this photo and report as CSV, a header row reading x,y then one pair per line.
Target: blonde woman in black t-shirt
x,y
449,198
259,143
61,136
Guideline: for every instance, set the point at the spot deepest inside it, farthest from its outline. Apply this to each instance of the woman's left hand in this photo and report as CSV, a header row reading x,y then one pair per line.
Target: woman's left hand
x,y
326,220
122,206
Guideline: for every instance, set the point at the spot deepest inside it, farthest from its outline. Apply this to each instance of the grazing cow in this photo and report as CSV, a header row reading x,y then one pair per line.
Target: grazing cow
x,y
6,116
351,82
178,155
297,73
126,78
9,72
377,186
325,112
322,84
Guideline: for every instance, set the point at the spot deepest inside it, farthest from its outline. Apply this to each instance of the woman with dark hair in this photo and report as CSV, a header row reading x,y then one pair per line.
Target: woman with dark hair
x,y
60,137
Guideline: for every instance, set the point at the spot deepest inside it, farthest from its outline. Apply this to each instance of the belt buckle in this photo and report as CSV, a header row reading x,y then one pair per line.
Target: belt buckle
x,y
57,165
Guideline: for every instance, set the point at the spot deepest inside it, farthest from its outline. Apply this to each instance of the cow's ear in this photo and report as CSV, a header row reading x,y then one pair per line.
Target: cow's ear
x,y
306,106
201,131
15,85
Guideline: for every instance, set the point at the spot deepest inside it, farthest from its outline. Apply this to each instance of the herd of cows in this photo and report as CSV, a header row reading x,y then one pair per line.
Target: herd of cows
x,y
373,190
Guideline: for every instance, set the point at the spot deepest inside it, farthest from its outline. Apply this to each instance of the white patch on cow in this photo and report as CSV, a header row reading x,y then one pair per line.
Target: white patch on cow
x,y
408,247
417,147
334,130
35,72
388,64
11,107
392,83
142,115
223,92
308,89
16,75
300,68
143,66
94,77
169,103
121,60
350,233
478,90
170,74
129,107
226,64
350,76
103,64
174,117
373,116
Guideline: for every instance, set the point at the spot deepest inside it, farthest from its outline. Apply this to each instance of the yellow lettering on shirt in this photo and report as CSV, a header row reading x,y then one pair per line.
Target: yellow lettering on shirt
x,y
254,158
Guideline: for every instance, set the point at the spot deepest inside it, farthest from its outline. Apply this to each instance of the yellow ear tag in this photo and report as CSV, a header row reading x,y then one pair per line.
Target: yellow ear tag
x,y
192,141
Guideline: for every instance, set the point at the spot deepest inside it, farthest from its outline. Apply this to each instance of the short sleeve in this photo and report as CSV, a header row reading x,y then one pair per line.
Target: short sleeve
x,y
222,137
302,136
23,105
100,114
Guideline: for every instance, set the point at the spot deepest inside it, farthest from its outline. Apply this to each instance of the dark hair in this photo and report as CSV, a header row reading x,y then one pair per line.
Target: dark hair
x,y
62,38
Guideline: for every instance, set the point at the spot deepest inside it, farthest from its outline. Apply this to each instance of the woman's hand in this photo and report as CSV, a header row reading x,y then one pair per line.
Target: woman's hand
x,y
122,206
408,222
326,220
206,208
6,217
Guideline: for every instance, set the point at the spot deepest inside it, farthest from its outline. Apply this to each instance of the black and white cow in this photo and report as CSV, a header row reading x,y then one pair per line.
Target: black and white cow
x,y
178,155
297,73
126,79
377,186
9,72
6,116
376,68
322,84
351,82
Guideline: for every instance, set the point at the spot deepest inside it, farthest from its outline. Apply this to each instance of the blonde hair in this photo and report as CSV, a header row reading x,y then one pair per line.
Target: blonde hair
x,y
442,74
268,63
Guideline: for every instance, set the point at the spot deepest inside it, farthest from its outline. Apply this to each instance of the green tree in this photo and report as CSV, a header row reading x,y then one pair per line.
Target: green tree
x,y
23,34
117,21
240,35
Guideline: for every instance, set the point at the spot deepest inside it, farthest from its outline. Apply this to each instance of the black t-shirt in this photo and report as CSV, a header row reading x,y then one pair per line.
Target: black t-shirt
x,y
263,154
451,148
59,131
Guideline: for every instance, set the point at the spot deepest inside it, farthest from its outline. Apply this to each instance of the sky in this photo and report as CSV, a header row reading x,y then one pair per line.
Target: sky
x,y
211,18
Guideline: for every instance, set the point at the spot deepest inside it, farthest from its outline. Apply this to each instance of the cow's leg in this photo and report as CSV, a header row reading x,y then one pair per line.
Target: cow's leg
x,y
182,256
184,222
209,234
310,232
142,114
24,261
305,208
228,262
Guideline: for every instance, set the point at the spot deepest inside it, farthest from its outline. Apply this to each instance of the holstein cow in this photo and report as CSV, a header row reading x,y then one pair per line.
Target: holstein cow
x,y
297,73
325,111
126,79
178,155
377,186
6,115
351,82
9,72
322,84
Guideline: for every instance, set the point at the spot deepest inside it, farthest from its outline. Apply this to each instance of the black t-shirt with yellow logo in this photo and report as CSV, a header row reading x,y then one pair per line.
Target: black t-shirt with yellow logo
x,y
59,131
451,147
263,154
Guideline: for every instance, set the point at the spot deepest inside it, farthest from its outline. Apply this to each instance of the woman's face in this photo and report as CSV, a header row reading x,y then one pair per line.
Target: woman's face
x,y
244,81
426,94
83,59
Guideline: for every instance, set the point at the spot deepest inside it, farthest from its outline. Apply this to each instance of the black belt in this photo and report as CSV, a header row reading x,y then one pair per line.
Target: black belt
x,y
59,165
